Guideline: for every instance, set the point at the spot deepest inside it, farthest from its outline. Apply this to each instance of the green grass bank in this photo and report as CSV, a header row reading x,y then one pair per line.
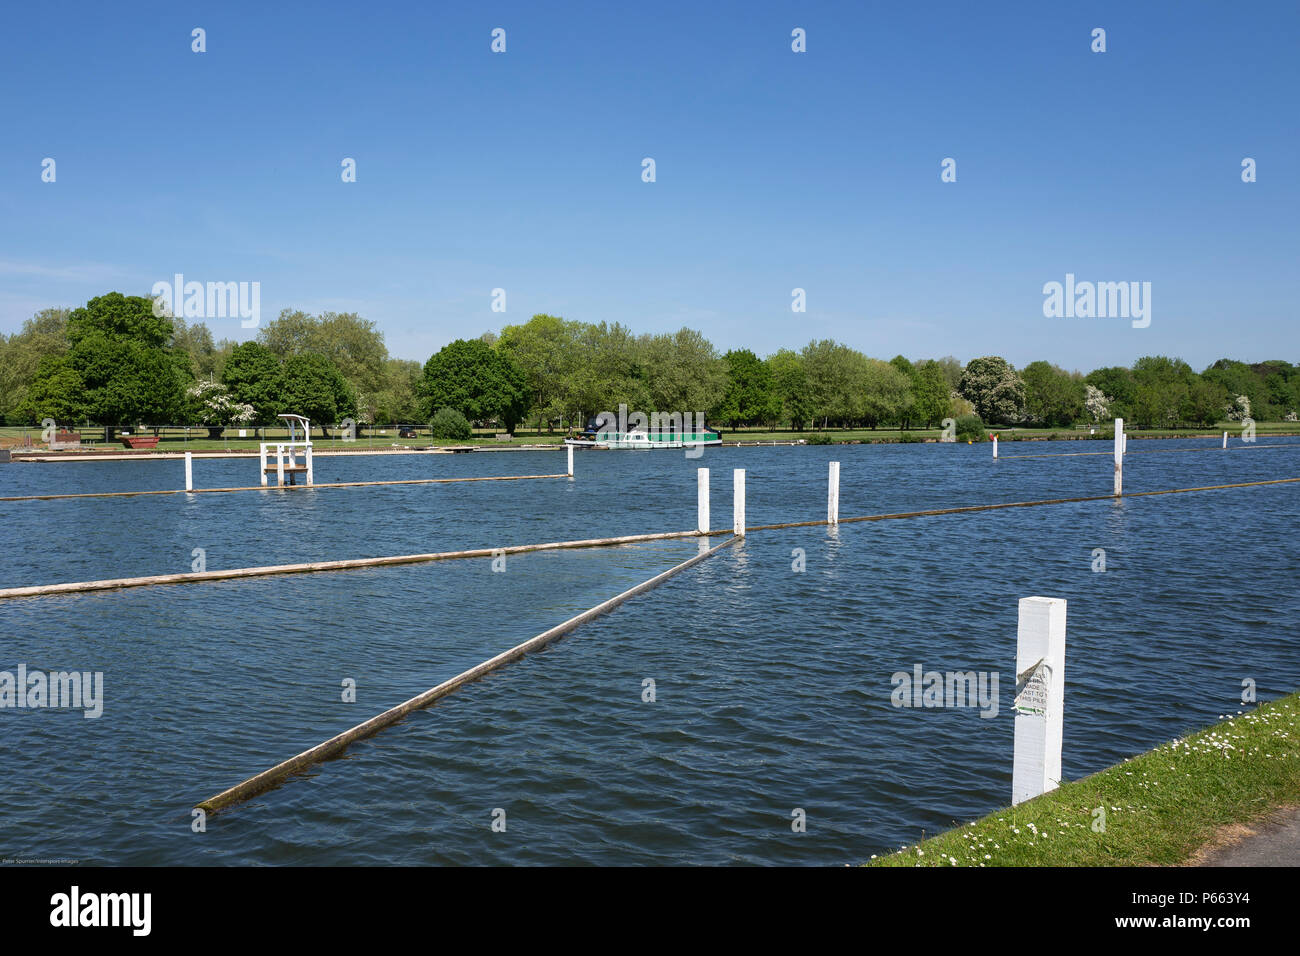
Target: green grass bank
x,y
1157,809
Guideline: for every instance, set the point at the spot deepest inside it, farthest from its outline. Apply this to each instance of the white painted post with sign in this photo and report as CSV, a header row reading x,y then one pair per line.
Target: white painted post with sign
x,y
570,447
1040,697
1119,457
833,495
189,471
702,499
738,502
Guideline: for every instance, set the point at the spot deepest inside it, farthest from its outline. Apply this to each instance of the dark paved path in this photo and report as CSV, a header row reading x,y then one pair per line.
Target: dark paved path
x,y
1275,842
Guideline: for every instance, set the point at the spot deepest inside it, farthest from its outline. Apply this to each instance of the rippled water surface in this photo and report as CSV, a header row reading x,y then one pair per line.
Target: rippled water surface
x,y
772,686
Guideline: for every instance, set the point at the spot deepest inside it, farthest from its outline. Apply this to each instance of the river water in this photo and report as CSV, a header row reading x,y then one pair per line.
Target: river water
x,y
772,685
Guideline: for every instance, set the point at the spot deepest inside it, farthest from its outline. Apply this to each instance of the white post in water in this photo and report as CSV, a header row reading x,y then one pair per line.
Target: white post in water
x,y
1040,697
738,502
310,479
995,447
279,465
1119,457
263,456
1225,439
1126,443
189,471
570,448
702,499
833,495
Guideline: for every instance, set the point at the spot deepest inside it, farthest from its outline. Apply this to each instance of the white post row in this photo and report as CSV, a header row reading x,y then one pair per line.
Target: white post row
x,y
702,499
189,471
833,495
570,448
1119,457
1040,697
738,502
995,447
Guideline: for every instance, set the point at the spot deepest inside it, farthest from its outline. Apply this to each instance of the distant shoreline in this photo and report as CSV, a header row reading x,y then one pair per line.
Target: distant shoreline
x,y
44,456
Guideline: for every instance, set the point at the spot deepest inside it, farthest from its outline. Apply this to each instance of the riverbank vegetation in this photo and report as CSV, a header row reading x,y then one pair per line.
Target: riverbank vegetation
x,y
113,362
1160,808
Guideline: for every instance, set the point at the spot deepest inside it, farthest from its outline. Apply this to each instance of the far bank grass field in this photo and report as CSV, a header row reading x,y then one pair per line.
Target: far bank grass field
x,y
174,439
1158,809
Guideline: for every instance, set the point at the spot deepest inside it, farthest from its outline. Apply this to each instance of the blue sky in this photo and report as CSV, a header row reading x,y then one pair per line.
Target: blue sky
x,y
775,170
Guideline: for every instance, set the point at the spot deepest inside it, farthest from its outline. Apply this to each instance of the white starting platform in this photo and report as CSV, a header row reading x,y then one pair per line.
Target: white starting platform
x,y
286,453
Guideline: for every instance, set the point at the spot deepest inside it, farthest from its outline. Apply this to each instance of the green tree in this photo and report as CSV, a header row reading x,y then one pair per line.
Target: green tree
x,y
790,385
121,353
314,388
993,387
1117,384
44,335
254,376
1053,397
931,394
480,382
749,397
683,372
546,349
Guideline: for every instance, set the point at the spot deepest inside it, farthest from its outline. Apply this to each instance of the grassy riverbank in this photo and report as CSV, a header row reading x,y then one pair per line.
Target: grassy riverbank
x,y
176,440
1160,808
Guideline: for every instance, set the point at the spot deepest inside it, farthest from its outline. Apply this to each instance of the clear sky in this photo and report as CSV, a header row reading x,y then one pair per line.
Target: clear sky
x,y
775,169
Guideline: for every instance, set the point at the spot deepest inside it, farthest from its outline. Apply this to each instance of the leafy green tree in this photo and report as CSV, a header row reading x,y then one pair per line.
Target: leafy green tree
x,y
790,384
546,349
993,387
480,382
1053,397
610,371
1118,385
121,353
683,372
1163,389
44,335
887,392
837,382
749,397
56,392
314,388
253,374
450,425
930,394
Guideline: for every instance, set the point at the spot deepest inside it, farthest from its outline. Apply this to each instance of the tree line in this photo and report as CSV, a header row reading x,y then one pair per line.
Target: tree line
x,y
114,362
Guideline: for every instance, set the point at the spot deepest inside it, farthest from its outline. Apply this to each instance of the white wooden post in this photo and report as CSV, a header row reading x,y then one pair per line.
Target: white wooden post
x,y
1225,439
738,502
1040,697
702,498
995,447
1126,443
263,457
1119,457
570,448
189,471
833,495
279,465
309,471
